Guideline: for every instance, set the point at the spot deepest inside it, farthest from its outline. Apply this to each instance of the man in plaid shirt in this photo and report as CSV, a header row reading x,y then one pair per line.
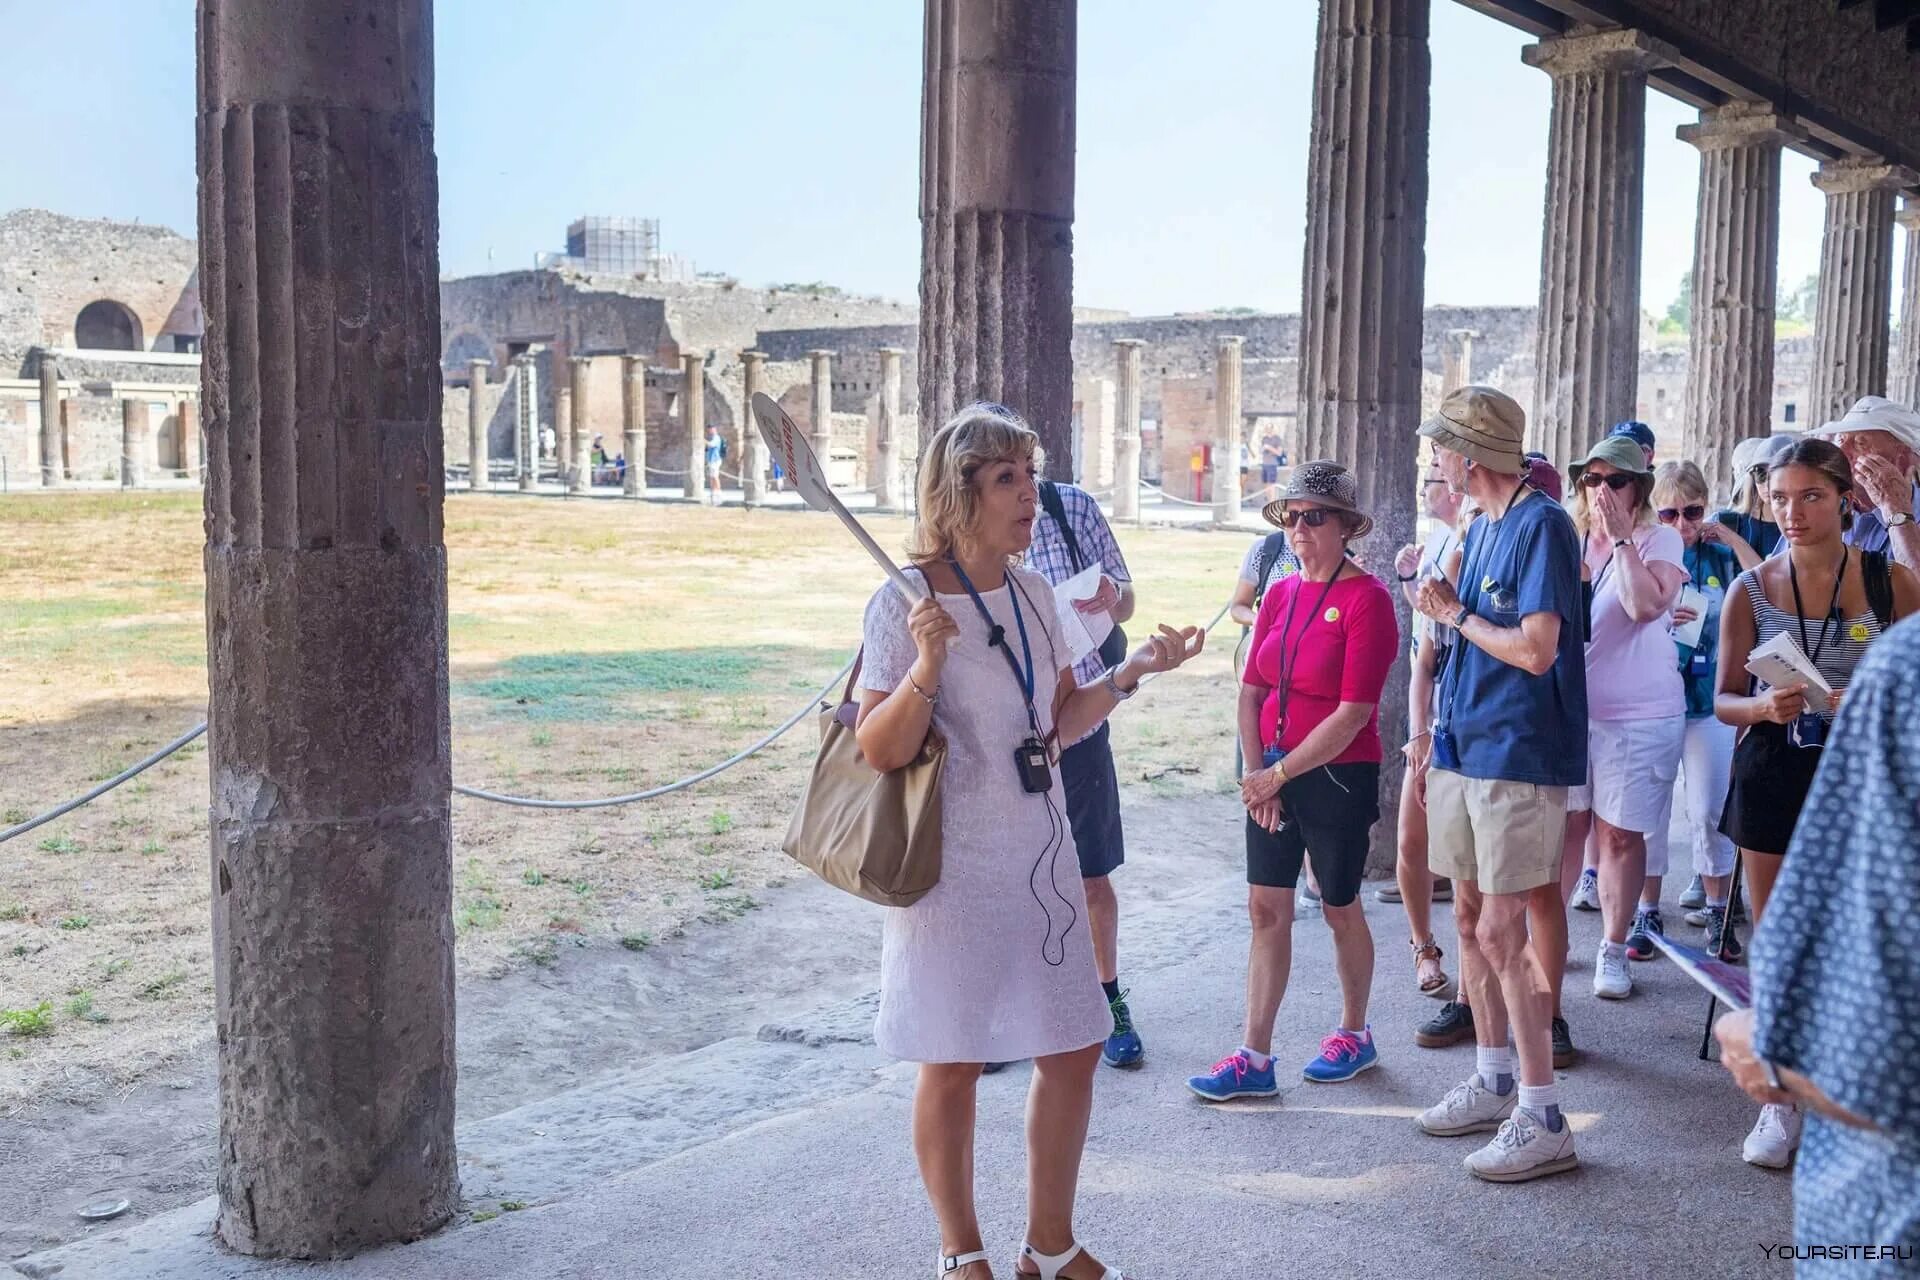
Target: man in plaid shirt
x,y
1086,767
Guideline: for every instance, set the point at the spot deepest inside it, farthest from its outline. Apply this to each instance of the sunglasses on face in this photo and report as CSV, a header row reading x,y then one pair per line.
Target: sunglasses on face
x,y
1669,514
1616,482
1313,517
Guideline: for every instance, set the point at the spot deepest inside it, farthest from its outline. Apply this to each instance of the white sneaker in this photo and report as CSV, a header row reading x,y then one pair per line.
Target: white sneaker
x,y
1586,892
1611,981
1470,1107
1775,1137
1524,1149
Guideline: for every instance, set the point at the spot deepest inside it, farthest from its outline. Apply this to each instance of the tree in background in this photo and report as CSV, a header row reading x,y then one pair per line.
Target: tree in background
x,y
1794,305
1679,317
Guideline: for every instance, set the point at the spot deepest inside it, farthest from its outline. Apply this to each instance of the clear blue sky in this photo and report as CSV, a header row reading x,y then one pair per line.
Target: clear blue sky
x,y
779,142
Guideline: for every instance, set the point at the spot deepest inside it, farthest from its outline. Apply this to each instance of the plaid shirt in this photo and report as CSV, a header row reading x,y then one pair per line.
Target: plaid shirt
x,y
1048,556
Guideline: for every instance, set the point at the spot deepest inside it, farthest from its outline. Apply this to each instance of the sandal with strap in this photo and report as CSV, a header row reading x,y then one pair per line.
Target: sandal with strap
x,y
1050,1264
952,1262
1437,984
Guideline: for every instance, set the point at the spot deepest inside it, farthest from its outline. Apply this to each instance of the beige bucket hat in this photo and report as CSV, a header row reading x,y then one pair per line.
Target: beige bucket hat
x,y
1485,424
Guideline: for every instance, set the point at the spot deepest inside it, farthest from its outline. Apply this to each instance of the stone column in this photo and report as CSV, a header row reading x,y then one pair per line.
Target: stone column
x,y
477,479
1852,319
133,442
820,407
326,611
1226,430
886,480
1361,340
1736,251
693,411
633,424
1126,444
579,478
1906,374
52,473
526,421
1587,358
753,477
996,213
1456,360
188,418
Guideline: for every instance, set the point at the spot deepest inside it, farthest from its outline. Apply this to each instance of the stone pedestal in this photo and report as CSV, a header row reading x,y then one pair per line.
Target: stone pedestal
x,y
326,570
187,415
1456,360
477,479
1735,276
820,408
1905,382
693,414
1587,359
1226,430
526,422
52,447
133,443
1852,319
886,462
996,213
633,424
580,477
753,477
1126,440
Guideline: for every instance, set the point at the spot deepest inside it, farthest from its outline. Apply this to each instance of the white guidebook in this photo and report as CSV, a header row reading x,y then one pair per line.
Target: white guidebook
x,y
1083,632
1780,661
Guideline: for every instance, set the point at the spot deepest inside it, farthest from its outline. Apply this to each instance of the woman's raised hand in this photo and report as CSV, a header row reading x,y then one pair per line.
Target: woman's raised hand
x,y
1166,650
931,627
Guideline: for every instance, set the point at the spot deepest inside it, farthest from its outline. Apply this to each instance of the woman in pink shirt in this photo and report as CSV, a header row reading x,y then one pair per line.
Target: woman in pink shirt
x,y
1636,702
1310,732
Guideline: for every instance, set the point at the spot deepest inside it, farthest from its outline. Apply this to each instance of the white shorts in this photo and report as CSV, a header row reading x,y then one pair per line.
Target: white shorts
x,y
1631,767
713,470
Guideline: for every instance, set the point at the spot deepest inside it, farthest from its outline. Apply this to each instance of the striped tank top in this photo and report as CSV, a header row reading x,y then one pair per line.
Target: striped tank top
x,y
1841,647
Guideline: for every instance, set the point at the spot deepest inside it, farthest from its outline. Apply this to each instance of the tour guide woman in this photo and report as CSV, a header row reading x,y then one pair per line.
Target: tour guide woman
x,y
1310,734
994,964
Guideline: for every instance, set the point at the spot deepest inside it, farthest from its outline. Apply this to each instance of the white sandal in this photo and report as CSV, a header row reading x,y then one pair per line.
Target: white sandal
x,y
950,1263
1050,1264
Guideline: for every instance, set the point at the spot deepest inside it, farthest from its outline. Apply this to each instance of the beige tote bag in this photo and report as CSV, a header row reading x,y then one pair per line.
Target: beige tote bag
x,y
875,835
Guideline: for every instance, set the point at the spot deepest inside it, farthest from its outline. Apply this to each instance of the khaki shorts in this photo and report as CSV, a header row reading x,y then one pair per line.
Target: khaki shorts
x,y
1502,836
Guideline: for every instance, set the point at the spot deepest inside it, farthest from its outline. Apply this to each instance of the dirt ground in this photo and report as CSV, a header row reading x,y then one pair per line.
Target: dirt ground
x,y
597,648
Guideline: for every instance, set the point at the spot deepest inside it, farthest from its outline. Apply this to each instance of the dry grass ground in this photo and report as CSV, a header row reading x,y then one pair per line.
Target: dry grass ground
x,y
598,647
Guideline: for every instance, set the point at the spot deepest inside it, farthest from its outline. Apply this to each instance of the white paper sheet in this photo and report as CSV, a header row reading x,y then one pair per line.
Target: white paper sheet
x,y
1083,632
1781,662
1688,633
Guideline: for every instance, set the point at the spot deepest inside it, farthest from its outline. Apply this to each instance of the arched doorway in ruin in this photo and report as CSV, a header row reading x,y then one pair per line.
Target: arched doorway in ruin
x,y
106,325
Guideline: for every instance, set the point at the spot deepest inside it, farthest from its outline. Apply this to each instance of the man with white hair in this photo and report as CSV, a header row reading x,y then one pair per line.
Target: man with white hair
x,y
1882,441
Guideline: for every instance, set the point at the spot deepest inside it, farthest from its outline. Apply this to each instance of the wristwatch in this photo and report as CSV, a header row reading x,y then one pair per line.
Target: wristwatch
x,y
1899,518
1113,686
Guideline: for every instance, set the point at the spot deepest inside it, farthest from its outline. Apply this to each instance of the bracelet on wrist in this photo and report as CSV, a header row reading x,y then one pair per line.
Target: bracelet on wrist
x,y
930,698
1407,577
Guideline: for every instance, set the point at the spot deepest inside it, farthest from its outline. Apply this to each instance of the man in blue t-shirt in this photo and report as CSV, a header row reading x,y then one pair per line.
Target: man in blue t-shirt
x,y
1508,739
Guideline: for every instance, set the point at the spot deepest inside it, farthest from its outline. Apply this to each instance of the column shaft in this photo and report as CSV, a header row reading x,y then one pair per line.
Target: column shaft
x,y
477,478
820,408
633,424
133,442
1905,382
1456,360
52,472
562,424
326,625
526,422
886,487
996,214
191,462
1126,444
580,478
1226,430
1852,320
693,413
753,478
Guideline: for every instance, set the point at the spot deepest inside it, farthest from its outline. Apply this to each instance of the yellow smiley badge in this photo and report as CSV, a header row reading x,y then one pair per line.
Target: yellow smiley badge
x,y
1859,632
1333,615
1712,581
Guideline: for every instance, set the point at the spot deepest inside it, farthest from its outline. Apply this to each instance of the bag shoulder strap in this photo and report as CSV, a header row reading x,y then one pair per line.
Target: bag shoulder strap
x,y
1877,573
1050,499
1270,548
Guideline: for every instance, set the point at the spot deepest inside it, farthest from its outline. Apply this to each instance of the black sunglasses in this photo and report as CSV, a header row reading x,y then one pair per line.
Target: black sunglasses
x,y
1616,482
1669,514
1312,517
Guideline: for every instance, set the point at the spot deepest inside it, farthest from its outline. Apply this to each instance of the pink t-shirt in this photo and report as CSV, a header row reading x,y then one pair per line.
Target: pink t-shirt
x,y
1631,670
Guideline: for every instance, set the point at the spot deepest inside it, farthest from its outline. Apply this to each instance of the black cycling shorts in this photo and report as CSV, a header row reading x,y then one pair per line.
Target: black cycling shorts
x,y
1328,814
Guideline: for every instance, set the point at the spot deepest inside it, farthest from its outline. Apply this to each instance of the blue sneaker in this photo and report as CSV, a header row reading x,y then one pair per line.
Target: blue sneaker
x,y
1342,1057
1123,1046
1235,1076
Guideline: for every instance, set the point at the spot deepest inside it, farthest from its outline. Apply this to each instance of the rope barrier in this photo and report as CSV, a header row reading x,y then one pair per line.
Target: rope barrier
x,y
106,786
658,472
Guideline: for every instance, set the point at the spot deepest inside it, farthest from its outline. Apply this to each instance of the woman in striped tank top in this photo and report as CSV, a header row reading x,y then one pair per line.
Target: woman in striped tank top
x,y
1833,601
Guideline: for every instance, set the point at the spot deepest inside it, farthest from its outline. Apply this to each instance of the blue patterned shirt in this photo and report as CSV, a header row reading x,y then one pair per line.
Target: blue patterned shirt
x,y
1048,555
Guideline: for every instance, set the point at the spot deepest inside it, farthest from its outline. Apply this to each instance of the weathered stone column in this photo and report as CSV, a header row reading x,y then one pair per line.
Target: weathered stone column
x,y
562,425
1126,444
52,470
477,479
1735,274
1587,358
580,478
1906,373
886,479
326,624
1456,360
753,477
133,443
693,412
820,405
996,214
526,422
1226,430
188,418
1361,338
633,424
1852,319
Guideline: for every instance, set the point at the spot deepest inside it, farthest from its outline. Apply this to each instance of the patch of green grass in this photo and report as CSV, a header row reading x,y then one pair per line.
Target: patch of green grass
x,y
479,912
533,875
117,966
591,845
13,911
720,823
721,879
160,987
73,924
81,1006
485,1215
152,846
728,906
581,887
541,738
59,844
592,686
512,1206
636,941
541,952
35,1021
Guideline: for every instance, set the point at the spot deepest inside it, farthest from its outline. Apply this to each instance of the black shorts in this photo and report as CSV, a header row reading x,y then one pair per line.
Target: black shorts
x,y
1771,778
1093,803
1329,812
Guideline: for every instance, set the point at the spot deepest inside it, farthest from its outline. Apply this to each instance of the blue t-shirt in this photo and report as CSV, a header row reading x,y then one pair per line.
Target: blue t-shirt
x,y
1762,535
1507,725
1712,568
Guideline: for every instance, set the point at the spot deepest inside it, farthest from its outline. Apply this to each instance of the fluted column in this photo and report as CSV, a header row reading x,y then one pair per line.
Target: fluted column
x,y
693,415
477,478
1735,276
996,214
1852,316
526,421
633,424
1126,440
580,478
52,468
134,421
562,425
188,418
1456,360
1906,373
1226,430
886,485
1587,361
326,624
820,406
753,480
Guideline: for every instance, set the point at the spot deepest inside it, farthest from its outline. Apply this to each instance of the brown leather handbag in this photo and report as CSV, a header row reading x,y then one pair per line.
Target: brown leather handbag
x,y
875,835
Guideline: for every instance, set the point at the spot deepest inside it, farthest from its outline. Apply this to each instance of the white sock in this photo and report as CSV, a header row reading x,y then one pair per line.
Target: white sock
x,y
1260,1061
1716,904
1364,1035
1491,1064
1538,1097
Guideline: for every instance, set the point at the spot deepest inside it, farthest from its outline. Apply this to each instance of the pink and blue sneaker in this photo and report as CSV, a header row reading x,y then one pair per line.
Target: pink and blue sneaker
x,y
1343,1055
1235,1076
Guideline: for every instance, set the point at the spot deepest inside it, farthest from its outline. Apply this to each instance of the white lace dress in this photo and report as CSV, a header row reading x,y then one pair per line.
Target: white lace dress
x,y
996,963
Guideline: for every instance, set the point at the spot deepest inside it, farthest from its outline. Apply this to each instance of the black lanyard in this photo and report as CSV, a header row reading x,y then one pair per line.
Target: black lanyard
x,y
1290,652
997,637
1833,607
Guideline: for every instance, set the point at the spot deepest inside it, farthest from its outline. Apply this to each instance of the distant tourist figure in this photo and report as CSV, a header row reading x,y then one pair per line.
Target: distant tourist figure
x,y
716,454
994,964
